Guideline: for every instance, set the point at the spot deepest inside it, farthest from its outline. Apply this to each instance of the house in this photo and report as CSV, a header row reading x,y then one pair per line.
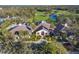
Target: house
x,y
63,28
70,33
42,29
1,20
59,27
15,28
42,32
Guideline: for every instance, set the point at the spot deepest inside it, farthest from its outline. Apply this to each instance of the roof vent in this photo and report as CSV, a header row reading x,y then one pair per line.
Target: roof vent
x,y
43,21
20,24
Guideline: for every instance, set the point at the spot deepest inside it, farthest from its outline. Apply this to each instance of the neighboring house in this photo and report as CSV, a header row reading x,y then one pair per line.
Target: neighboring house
x,y
42,29
1,20
70,33
59,28
55,31
14,29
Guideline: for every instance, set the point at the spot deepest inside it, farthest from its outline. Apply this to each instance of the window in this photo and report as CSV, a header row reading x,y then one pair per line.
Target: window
x,y
46,33
42,33
16,33
37,33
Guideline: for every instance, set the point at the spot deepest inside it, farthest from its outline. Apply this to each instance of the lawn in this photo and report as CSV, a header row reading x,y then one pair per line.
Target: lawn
x,y
40,16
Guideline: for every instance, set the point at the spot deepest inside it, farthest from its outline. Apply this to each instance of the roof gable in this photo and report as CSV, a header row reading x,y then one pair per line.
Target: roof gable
x,y
41,26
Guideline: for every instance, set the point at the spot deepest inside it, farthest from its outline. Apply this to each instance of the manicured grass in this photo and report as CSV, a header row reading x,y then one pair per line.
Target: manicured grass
x,y
40,16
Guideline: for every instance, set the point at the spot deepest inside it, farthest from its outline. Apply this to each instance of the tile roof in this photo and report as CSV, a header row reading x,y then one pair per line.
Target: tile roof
x,y
43,24
20,27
